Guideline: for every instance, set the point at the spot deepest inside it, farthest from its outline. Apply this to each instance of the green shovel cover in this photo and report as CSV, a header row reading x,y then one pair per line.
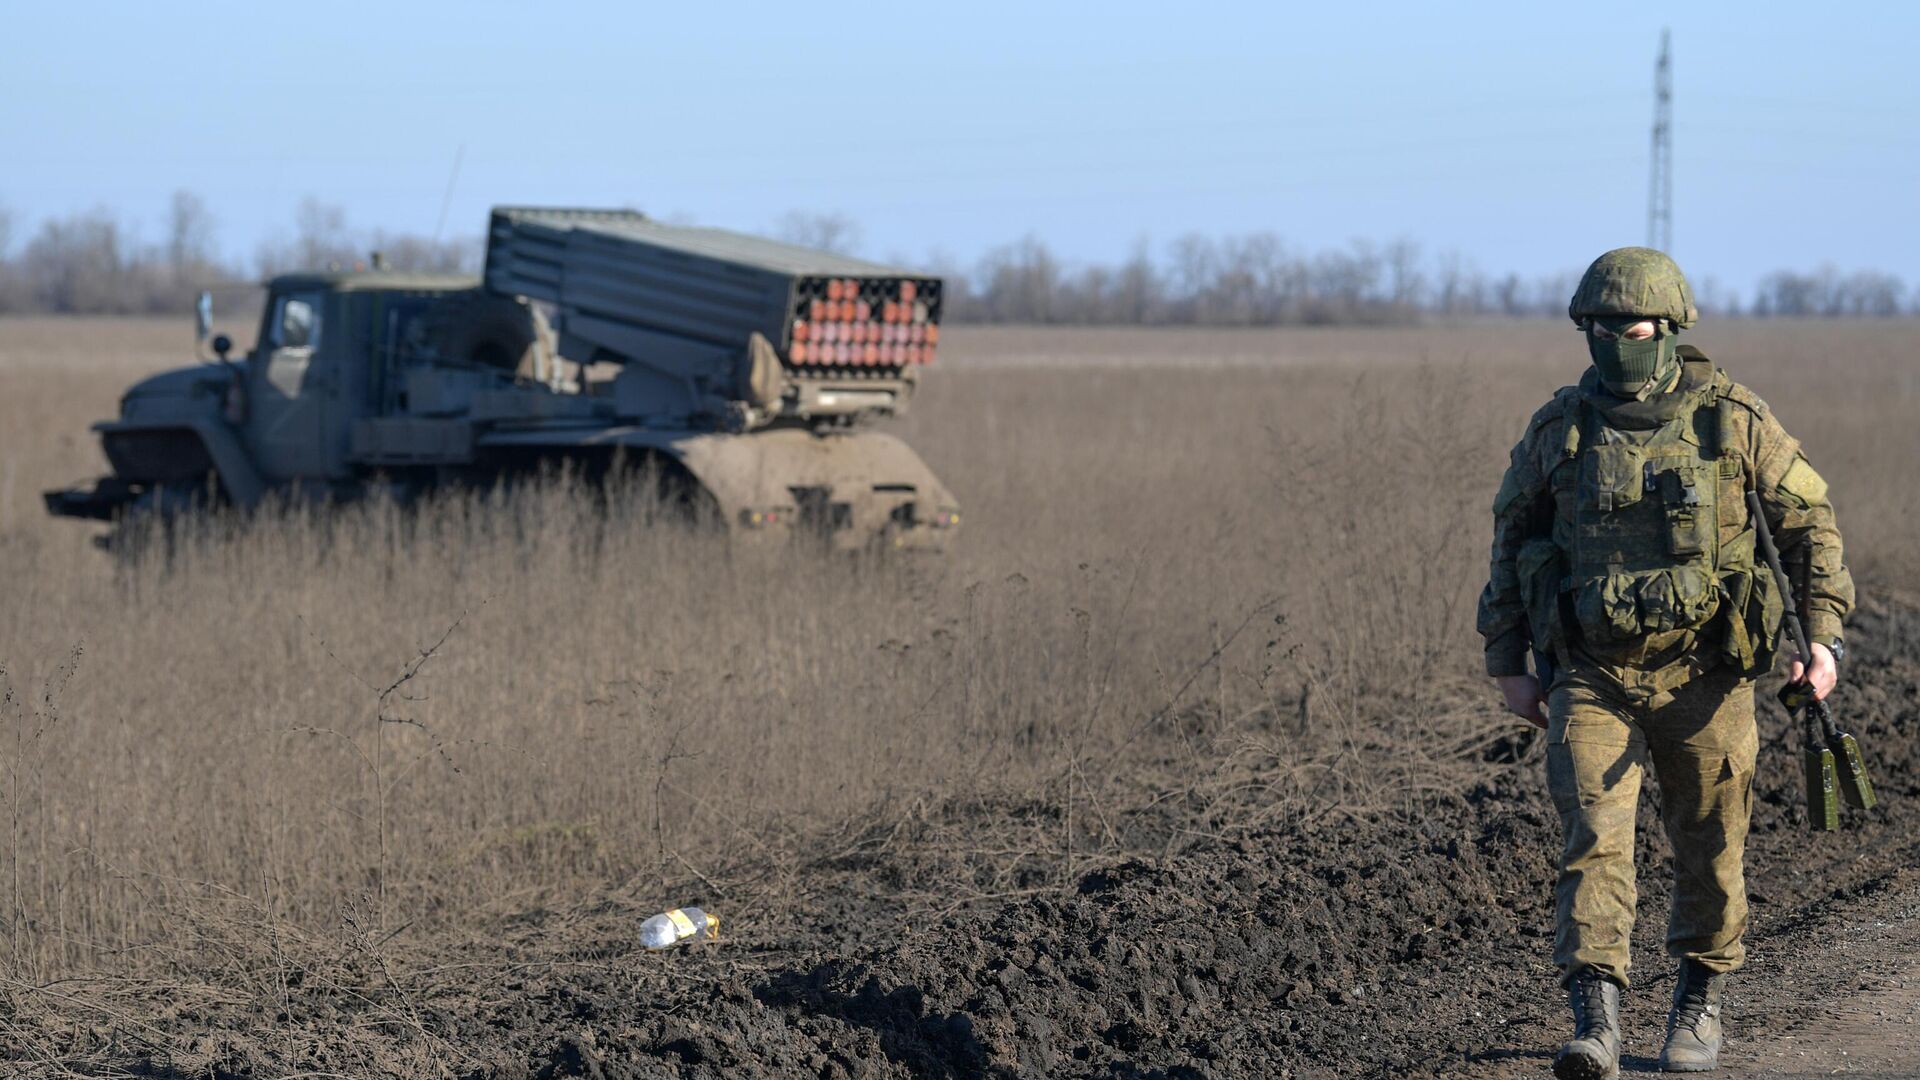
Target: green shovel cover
x,y
1854,785
1823,801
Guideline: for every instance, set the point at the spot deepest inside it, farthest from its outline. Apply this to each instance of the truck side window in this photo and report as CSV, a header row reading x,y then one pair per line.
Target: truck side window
x,y
296,321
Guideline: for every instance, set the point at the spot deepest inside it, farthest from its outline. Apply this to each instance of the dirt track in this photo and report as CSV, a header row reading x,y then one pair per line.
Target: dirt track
x,y
1864,1016
1349,948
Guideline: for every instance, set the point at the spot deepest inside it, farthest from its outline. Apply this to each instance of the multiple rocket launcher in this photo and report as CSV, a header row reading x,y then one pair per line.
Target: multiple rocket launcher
x,y
629,287
744,366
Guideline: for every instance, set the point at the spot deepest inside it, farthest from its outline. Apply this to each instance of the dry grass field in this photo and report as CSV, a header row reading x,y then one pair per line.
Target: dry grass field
x,y
1210,584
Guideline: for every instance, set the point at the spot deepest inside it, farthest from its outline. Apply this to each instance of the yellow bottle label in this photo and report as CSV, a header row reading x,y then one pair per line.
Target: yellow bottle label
x,y
682,926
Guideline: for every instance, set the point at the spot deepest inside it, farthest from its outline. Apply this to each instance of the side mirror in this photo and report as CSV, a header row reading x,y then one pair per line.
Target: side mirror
x,y
222,344
203,316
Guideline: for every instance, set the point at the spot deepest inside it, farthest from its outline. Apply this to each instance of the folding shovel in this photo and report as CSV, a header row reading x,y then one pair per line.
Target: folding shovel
x,y
1816,759
1831,758
1854,785
1842,749
1823,802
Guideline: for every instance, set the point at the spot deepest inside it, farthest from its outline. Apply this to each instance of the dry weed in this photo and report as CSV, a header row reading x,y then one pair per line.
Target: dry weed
x,y
1210,583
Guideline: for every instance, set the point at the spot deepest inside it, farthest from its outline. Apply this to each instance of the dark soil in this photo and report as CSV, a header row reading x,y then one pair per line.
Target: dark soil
x,y
1348,948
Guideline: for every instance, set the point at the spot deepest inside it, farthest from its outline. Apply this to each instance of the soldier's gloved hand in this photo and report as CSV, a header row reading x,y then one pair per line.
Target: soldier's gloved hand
x,y
1523,698
1825,672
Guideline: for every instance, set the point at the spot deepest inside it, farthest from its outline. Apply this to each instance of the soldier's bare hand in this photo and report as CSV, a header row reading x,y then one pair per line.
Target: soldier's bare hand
x,y
1825,672
1523,698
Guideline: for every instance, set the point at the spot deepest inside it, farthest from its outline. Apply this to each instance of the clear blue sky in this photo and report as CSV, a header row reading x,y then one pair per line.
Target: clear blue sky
x,y
1514,133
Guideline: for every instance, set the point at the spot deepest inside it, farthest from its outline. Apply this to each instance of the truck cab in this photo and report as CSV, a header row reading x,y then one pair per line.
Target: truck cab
x,y
333,351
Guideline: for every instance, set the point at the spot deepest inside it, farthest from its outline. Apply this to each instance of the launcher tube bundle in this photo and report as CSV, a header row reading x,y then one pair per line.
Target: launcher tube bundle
x,y
849,334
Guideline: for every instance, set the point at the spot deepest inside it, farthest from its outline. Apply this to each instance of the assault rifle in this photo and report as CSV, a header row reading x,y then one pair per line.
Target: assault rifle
x,y
1831,756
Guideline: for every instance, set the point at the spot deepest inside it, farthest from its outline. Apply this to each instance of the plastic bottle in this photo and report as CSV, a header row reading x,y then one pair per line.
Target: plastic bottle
x,y
670,928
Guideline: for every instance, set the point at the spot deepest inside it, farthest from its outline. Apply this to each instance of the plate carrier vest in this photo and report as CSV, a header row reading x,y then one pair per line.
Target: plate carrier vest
x,y
1630,572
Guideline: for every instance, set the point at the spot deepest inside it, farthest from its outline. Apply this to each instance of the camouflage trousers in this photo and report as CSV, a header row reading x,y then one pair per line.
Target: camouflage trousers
x,y
1701,745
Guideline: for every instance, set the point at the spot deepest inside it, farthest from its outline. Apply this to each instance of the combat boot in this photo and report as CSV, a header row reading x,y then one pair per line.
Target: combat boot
x,y
1594,1051
1693,1025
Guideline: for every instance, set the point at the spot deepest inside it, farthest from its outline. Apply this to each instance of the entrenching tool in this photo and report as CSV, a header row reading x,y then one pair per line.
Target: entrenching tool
x,y
1846,764
1823,802
1831,757
1854,785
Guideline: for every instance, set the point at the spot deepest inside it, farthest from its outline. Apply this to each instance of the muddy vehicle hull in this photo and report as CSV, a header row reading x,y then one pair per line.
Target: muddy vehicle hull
x,y
853,489
850,490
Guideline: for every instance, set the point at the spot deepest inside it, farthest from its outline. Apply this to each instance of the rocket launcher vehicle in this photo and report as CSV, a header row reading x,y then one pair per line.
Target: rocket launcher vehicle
x,y
735,372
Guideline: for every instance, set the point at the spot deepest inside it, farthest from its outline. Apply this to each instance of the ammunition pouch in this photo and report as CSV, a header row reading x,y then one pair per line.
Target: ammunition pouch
x,y
1541,569
1627,606
1754,609
1611,477
1690,520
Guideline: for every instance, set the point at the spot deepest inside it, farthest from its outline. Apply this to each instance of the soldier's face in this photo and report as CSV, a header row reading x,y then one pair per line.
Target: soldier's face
x,y
1639,331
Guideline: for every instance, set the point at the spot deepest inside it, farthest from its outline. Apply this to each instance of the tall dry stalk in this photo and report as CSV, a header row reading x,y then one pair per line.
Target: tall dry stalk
x,y
30,726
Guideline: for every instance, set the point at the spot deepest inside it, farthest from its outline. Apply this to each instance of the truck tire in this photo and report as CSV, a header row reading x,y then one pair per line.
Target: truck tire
x,y
152,521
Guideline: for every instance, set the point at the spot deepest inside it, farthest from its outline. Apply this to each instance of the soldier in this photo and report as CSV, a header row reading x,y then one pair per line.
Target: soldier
x,y
1624,561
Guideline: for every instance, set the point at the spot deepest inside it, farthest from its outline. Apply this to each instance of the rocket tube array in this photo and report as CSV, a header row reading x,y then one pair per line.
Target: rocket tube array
x,y
864,322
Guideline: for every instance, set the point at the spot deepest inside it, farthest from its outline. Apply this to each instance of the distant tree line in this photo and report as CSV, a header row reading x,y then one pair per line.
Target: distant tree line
x,y
1828,292
1251,280
1258,280
90,263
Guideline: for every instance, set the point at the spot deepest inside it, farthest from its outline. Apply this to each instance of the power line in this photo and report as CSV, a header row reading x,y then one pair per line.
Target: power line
x,y
1660,184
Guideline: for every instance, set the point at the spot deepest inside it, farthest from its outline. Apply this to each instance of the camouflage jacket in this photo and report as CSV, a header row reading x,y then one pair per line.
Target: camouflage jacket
x,y
1537,500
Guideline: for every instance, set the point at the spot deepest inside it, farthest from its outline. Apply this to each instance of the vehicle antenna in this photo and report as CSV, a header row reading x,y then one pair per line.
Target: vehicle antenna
x,y
447,199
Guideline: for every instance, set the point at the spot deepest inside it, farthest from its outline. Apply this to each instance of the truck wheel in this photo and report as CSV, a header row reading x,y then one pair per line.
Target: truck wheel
x,y
153,520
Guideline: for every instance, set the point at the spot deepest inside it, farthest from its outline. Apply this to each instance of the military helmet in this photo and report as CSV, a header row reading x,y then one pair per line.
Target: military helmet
x,y
1634,281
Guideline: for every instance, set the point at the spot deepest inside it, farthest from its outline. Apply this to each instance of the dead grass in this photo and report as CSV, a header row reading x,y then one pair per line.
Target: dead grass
x,y
1209,582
